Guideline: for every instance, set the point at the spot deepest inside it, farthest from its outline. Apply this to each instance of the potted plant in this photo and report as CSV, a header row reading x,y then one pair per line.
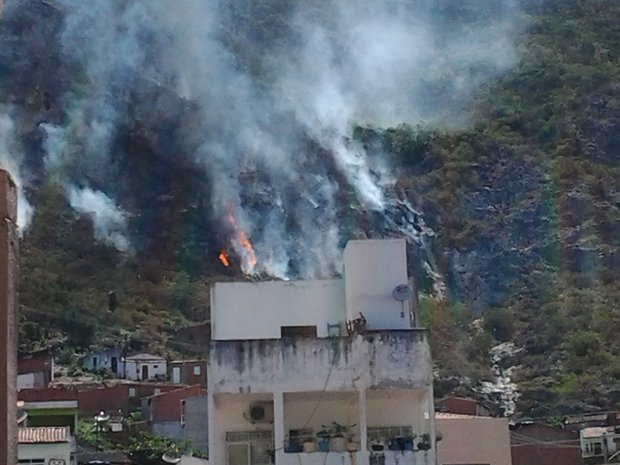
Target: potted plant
x,y
339,437
323,437
377,445
407,442
425,442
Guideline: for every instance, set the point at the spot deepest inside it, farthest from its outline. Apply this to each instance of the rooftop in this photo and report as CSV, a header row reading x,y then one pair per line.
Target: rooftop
x,y
43,435
145,357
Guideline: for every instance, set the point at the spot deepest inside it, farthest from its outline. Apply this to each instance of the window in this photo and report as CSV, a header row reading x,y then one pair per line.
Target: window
x,y
31,461
155,366
132,392
196,370
298,331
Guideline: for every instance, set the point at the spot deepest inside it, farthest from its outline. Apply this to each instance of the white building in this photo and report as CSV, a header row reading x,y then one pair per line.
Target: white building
x,y
110,358
47,445
283,368
143,367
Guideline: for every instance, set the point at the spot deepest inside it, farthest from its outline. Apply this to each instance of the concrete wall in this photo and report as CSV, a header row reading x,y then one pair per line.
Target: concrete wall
x,y
9,244
273,304
466,439
314,409
372,269
197,423
227,412
391,359
168,429
397,408
45,451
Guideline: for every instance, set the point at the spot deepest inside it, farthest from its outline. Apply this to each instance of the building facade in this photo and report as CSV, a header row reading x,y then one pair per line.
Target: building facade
x,y
110,358
144,367
188,372
44,446
35,371
322,372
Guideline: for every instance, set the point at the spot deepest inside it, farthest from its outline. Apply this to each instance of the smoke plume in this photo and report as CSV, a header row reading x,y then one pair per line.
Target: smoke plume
x,y
10,160
278,88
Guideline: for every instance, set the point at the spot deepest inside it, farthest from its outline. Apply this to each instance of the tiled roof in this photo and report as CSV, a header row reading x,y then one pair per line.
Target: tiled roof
x,y
43,434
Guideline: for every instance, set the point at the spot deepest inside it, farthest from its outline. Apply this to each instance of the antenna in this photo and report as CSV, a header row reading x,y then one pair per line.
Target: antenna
x,y
402,293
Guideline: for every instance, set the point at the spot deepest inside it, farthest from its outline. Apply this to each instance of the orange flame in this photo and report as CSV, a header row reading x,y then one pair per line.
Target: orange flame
x,y
249,255
223,256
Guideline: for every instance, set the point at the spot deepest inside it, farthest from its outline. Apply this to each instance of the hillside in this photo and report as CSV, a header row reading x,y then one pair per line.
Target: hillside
x,y
523,199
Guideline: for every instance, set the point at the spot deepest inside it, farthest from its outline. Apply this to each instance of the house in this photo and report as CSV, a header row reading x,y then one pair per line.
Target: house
x,y
143,367
322,372
535,442
179,414
110,358
35,370
46,445
188,372
599,444
471,439
50,407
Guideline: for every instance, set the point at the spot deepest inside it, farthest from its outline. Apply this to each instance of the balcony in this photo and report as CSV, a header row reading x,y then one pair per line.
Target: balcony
x,y
395,359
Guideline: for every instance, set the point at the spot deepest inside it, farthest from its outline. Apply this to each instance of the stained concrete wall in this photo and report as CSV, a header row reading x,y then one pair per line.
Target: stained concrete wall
x,y
390,359
372,269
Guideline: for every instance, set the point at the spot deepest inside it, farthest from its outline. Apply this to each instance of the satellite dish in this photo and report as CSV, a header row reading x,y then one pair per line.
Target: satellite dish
x,y
21,416
170,458
101,417
402,292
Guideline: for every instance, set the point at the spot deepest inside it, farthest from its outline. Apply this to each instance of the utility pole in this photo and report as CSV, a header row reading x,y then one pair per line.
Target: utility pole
x,y
8,318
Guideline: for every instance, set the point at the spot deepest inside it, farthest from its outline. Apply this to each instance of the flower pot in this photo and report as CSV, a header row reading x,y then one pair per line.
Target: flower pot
x,y
323,444
338,444
309,446
393,444
407,443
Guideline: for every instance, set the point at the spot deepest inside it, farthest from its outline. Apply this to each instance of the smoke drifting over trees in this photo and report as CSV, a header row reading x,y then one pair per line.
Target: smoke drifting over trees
x,y
264,98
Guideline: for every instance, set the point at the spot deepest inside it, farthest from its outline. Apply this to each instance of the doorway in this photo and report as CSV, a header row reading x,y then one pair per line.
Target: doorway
x,y
145,372
114,365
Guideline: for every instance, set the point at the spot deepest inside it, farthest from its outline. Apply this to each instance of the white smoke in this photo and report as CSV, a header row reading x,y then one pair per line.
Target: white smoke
x,y
277,112
108,220
10,160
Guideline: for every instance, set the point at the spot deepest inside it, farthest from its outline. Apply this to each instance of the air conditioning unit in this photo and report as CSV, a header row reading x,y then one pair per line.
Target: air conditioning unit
x,y
259,412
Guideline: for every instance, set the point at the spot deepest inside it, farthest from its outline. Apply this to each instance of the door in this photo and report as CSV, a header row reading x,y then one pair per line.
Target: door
x,y
114,365
176,375
145,372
